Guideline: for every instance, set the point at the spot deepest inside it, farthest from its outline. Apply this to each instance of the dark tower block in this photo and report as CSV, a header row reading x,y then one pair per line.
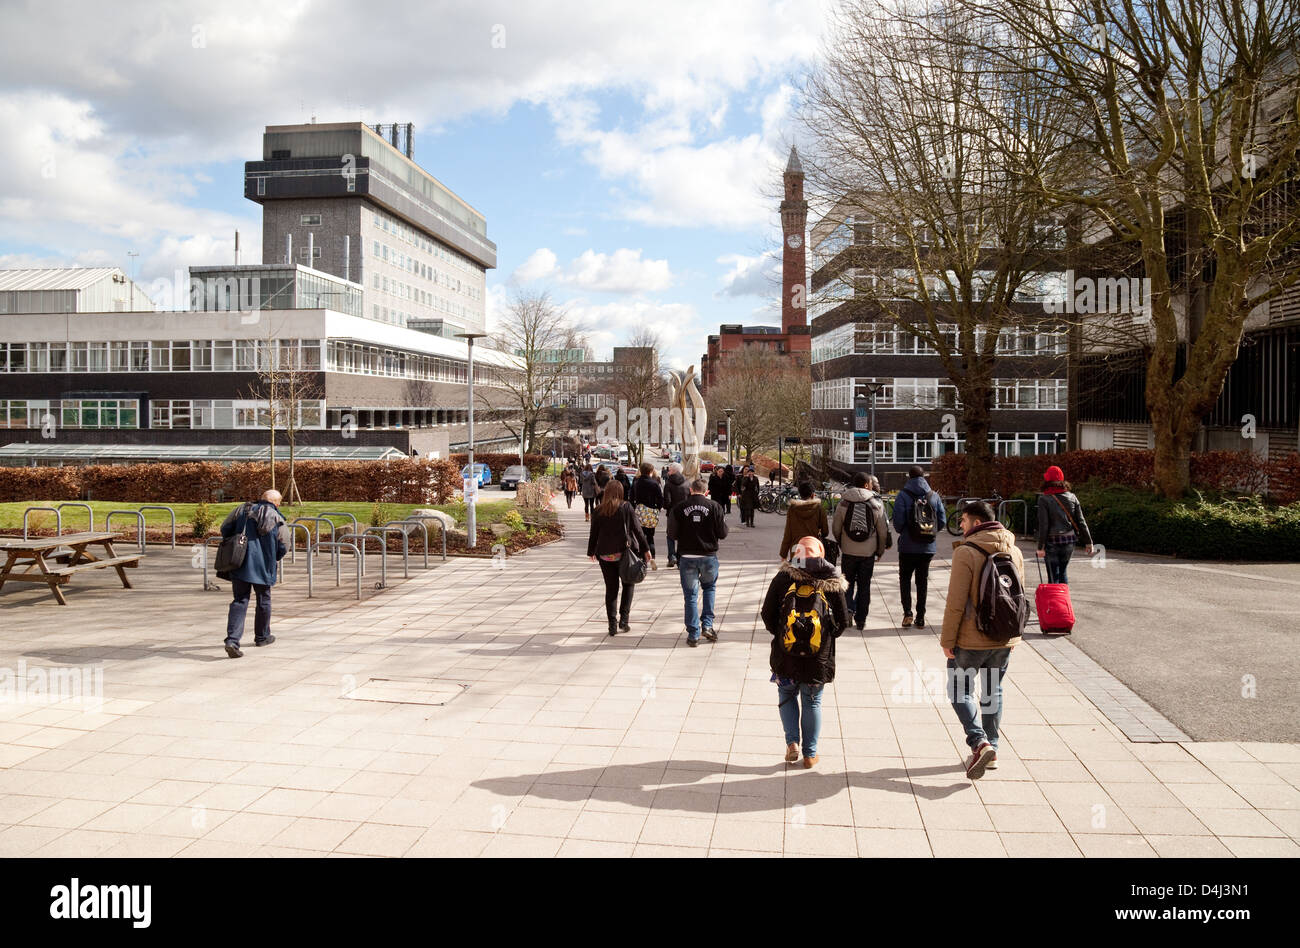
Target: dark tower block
x,y
794,226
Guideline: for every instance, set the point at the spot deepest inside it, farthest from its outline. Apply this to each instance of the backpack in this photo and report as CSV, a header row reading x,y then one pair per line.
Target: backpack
x,y
807,620
1002,608
859,522
921,519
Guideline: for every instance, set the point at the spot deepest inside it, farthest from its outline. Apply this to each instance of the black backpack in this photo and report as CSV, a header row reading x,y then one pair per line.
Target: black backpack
x,y
921,520
1002,608
853,525
807,620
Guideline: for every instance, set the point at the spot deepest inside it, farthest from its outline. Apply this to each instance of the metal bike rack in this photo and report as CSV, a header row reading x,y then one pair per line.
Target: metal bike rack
x,y
58,518
1024,507
89,513
128,513
406,546
318,521
423,523
334,546
206,585
326,514
293,538
360,540
171,513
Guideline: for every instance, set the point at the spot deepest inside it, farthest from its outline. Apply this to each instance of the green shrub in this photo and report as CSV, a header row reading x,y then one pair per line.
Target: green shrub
x,y
380,514
514,520
1202,527
202,519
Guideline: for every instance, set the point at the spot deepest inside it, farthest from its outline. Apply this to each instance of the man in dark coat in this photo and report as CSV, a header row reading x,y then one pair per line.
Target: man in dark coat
x,y
262,523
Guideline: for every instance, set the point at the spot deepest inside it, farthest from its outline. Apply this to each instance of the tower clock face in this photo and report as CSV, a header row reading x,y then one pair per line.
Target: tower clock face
x,y
795,241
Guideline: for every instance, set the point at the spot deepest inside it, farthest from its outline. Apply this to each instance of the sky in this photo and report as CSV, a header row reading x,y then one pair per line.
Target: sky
x,y
627,156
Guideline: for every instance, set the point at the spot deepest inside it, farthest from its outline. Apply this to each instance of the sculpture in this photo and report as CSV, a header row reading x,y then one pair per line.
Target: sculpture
x,y
686,408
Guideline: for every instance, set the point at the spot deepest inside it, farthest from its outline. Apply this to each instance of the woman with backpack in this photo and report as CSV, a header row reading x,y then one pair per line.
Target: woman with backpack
x,y
747,496
648,501
614,531
569,481
587,484
805,612
863,535
1060,525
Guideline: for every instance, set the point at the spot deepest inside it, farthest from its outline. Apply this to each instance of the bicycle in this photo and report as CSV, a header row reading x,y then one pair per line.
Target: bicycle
x,y
954,518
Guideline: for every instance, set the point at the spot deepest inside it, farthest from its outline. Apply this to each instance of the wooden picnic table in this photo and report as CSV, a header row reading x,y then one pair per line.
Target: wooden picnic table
x,y
53,560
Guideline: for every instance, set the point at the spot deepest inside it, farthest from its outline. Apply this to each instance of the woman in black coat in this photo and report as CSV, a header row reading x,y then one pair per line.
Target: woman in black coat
x,y
648,501
717,489
614,529
602,480
748,496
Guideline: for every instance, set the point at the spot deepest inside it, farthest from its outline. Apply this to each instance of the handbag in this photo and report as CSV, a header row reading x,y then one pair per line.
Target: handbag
x,y
233,549
631,568
648,517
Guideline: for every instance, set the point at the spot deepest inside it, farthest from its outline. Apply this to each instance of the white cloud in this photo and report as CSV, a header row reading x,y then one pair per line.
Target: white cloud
x,y
539,265
751,276
623,271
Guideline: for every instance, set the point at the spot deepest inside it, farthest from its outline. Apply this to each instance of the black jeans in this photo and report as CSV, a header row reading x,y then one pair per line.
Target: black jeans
x,y
588,504
239,609
568,497
918,564
858,571
650,539
610,572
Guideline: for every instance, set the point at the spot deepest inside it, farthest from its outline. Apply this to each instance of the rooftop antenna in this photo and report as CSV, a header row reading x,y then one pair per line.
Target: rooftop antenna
x,y
133,254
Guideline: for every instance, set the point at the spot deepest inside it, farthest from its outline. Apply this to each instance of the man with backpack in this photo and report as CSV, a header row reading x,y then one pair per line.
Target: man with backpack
x,y
258,530
860,529
805,612
918,518
983,620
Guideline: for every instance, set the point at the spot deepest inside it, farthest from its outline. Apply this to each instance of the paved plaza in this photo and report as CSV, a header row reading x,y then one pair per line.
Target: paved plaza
x,y
480,709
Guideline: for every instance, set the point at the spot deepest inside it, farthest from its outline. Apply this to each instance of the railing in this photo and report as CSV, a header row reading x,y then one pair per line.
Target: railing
x,y
170,512
293,538
58,519
336,545
128,513
206,585
318,521
423,522
326,514
89,514
406,551
360,539
1004,510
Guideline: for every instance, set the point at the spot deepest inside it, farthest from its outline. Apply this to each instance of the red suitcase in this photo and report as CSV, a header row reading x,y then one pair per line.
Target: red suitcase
x,y
1052,603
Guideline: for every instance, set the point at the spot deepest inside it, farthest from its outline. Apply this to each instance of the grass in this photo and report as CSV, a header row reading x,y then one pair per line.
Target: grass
x,y
74,518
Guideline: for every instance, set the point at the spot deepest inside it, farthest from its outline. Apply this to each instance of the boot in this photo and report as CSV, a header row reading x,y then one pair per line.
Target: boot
x,y
613,626
623,625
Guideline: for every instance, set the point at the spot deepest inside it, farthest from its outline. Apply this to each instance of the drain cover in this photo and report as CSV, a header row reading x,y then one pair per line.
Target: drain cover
x,y
428,691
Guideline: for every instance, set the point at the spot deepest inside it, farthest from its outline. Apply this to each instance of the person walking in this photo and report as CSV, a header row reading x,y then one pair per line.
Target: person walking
x,y
977,637
860,528
648,500
697,524
262,523
747,496
717,490
602,481
587,485
676,490
918,517
614,529
621,477
805,612
805,518
728,487
1060,525
569,481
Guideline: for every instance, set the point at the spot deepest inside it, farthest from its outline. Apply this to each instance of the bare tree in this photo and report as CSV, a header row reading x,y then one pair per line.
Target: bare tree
x,y
770,398
640,381
1188,116
293,395
927,148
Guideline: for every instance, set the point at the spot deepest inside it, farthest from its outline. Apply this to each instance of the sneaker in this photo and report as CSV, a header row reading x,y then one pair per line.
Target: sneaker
x,y
792,753
809,761
653,565
233,651
266,641
710,635
907,622
992,763
692,642
979,760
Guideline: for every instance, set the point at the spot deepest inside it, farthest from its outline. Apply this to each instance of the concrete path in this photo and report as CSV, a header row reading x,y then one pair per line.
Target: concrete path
x,y
477,710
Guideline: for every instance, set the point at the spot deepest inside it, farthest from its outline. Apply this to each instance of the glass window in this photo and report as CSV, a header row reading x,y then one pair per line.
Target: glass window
x,y
140,357
201,355
58,357
181,356
160,355
77,357
223,355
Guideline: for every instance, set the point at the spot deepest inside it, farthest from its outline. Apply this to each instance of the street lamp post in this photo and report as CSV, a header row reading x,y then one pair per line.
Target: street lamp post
x,y
731,451
471,526
873,388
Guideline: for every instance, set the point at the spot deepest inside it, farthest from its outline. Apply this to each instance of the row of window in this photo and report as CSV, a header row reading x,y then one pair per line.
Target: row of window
x,y
864,231
69,413
1019,394
230,413
902,285
912,447
892,339
197,355
412,237
360,359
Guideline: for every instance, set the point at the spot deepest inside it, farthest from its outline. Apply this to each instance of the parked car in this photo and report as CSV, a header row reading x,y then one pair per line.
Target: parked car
x,y
513,476
706,467
482,470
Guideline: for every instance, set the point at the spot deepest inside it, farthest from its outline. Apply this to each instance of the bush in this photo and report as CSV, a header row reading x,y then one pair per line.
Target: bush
x,y
202,520
380,514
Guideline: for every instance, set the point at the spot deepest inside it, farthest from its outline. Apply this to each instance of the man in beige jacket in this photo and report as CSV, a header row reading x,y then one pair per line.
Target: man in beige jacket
x,y
970,653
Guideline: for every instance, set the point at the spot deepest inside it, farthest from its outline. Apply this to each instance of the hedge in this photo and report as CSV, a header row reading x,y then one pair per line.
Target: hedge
x,y
497,463
1212,470
403,481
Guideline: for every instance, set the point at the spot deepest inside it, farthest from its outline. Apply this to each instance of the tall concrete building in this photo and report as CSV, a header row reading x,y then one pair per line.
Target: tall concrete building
x,y
343,199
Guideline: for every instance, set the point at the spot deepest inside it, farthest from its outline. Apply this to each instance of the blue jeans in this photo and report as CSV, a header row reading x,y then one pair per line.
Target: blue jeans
x,y
672,551
697,571
239,610
1056,557
810,722
979,718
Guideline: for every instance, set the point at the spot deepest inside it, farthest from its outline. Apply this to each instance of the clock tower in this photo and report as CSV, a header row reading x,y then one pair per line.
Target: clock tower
x,y
794,224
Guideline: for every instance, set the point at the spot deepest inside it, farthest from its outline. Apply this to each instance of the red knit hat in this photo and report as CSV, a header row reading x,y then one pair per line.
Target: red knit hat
x,y
1054,473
